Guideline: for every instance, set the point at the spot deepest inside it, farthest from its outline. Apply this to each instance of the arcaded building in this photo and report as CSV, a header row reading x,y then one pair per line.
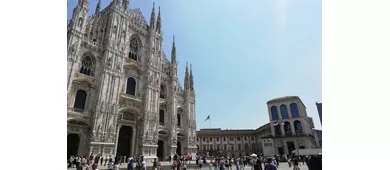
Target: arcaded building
x,y
291,127
233,143
124,96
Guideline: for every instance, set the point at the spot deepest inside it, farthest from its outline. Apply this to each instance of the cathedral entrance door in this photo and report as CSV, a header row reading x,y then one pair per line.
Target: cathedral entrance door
x,y
73,145
178,149
160,150
124,141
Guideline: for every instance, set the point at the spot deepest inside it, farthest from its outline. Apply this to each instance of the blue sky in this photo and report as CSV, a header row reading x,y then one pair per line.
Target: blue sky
x,y
243,53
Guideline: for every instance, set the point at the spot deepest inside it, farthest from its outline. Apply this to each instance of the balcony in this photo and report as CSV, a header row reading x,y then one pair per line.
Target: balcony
x,y
131,64
126,100
75,112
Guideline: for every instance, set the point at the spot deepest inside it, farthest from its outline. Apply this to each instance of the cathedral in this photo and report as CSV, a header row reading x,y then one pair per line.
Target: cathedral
x,y
124,97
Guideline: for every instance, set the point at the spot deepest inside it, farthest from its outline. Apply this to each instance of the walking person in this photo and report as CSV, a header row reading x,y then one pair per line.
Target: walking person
x,y
296,164
269,165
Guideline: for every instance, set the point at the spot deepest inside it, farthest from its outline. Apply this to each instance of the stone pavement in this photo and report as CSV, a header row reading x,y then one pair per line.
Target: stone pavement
x,y
282,166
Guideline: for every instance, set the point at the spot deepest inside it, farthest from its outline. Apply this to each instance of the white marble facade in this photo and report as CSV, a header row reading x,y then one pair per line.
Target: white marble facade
x,y
119,76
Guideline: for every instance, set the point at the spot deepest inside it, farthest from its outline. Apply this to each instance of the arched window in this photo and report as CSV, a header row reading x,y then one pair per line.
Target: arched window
x,y
284,111
134,47
274,113
178,120
253,146
298,127
87,66
294,110
162,91
81,97
246,146
130,87
278,131
162,116
287,128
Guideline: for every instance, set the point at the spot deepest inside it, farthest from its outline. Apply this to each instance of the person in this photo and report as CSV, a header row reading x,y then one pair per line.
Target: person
x,y
110,165
257,165
315,163
200,162
296,164
116,166
155,163
175,164
269,165
185,165
143,163
130,166
289,162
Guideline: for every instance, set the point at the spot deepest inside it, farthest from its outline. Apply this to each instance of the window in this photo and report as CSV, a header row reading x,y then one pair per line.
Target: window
x,y
239,147
211,139
162,91
197,139
287,128
274,113
130,87
231,138
218,147
204,139
252,138
217,139
253,146
87,66
81,97
298,127
224,139
204,147
294,110
178,120
179,112
246,146
238,138
161,116
134,47
224,147
211,147
284,111
245,138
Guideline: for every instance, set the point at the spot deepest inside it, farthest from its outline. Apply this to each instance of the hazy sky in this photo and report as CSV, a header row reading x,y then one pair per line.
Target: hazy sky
x,y
243,53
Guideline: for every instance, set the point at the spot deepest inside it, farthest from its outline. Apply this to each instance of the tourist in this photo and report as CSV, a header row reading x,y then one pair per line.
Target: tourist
x,y
200,163
155,164
257,165
269,165
110,165
130,166
296,164
101,160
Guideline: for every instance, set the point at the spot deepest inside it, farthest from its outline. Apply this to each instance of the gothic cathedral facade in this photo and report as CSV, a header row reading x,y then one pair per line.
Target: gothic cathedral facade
x,y
124,97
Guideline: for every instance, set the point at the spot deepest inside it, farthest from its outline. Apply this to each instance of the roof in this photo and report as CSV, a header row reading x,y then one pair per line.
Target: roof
x,y
231,132
285,98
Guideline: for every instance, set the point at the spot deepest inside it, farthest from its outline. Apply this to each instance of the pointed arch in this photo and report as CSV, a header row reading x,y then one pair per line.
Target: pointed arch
x,y
162,91
131,86
88,65
161,116
135,47
80,99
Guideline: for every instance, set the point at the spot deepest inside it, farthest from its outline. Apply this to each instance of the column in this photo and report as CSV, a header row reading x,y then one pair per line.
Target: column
x,y
282,129
133,153
292,128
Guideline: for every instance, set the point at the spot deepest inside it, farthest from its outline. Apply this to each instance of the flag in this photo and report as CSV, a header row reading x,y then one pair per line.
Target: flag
x,y
208,117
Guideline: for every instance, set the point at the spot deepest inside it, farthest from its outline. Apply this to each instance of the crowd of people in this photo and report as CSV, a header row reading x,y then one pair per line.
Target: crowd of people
x,y
180,162
92,161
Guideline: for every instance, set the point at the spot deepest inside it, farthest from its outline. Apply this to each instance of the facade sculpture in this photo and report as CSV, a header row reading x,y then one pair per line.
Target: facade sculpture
x,y
124,97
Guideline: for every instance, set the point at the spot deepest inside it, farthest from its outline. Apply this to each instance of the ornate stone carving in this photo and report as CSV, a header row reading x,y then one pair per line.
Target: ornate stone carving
x,y
129,116
72,129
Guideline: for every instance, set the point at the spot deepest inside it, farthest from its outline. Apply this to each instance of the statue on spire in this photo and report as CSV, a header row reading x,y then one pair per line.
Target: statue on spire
x,y
152,18
158,25
97,8
191,78
173,52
